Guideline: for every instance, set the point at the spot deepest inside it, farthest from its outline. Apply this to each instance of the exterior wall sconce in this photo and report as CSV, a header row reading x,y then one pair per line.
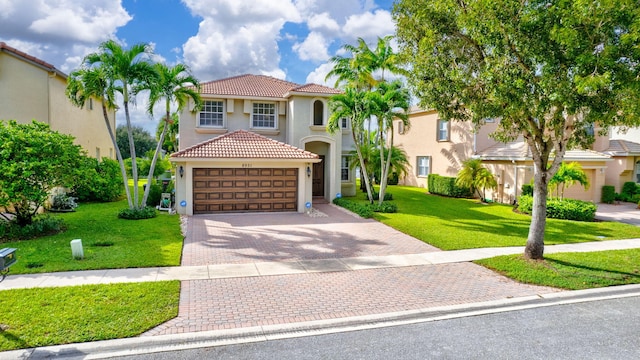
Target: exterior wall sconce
x,y
181,171
308,171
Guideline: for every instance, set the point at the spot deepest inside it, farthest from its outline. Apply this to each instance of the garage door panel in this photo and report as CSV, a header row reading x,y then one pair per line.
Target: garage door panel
x,y
244,190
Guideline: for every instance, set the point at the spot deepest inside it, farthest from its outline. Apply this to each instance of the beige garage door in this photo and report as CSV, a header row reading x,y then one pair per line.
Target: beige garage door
x,y
244,190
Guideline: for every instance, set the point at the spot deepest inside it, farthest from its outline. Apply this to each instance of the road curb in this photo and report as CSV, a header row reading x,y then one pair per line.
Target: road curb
x,y
161,343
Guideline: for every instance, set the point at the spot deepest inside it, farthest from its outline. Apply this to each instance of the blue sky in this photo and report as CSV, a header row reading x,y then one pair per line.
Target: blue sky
x,y
288,39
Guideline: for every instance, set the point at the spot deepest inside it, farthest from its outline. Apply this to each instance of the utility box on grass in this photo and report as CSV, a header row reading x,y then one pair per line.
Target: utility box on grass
x,y
7,258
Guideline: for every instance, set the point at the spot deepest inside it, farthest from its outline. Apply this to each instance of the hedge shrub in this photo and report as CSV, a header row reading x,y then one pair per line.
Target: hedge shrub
x,y
364,211
527,189
42,225
98,181
385,207
446,186
629,189
608,194
566,209
138,214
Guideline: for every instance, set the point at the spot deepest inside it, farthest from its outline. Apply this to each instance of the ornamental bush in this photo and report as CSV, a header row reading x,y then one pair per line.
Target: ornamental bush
x,y
138,214
364,211
385,207
99,181
629,189
40,226
566,209
446,186
608,194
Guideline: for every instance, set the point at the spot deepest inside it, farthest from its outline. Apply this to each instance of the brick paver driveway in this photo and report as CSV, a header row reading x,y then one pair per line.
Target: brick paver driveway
x,y
253,301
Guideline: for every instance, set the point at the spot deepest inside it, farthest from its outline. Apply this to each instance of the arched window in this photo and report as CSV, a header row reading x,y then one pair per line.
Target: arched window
x,y
318,113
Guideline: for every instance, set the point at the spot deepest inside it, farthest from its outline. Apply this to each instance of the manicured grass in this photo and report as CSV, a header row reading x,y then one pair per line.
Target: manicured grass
x,y
452,224
108,242
52,316
571,271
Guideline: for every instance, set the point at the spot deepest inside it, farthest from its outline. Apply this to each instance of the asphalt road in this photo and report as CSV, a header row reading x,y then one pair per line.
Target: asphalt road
x,y
608,329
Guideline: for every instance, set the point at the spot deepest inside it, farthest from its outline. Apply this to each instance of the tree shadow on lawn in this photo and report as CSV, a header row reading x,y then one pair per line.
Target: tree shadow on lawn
x,y
565,272
463,223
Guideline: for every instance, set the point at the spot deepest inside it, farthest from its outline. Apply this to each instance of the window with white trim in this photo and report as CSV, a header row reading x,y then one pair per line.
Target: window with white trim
x,y
318,113
263,115
638,171
211,114
443,130
423,166
344,168
344,123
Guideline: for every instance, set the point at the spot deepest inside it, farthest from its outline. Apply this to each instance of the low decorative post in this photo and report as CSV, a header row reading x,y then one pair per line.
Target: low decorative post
x,y
76,249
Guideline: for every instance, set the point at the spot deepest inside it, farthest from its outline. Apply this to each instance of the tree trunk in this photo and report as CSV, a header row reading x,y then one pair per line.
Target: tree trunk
x,y
385,173
363,170
123,170
152,168
132,149
535,241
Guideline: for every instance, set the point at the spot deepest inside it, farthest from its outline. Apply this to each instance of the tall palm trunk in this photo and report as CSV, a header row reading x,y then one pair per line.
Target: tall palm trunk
x,y
363,169
132,149
152,168
123,171
385,171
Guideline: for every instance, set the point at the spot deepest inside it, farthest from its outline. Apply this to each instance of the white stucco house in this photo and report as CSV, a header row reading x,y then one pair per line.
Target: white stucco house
x,y
260,144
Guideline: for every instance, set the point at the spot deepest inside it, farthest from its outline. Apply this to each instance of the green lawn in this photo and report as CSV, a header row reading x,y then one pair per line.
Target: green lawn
x,y
108,242
452,224
53,316
571,271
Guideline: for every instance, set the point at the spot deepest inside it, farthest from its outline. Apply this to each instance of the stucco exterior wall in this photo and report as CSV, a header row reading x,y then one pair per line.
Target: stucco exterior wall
x,y
24,93
30,92
237,116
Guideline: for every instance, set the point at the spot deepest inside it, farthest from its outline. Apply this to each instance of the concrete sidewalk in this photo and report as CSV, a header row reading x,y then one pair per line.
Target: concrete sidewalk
x,y
259,269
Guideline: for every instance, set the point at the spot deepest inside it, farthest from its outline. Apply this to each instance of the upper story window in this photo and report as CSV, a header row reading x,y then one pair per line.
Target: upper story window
x,y
638,171
443,130
344,123
318,113
263,115
423,163
211,114
401,128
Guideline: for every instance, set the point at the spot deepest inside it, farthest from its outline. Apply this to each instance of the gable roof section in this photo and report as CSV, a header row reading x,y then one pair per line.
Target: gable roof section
x,y
260,86
623,148
243,144
31,59
519,151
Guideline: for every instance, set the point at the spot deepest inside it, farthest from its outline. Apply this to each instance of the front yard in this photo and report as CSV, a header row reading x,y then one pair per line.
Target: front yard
x,y
49,316
452,224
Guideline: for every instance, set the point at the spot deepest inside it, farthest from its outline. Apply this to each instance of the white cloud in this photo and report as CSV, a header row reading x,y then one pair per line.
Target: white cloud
x,y
369,26
323,22
318,75
314,48
237,37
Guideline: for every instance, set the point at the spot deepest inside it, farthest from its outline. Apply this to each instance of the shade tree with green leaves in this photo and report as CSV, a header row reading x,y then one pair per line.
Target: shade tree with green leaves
x,y
547,69
33,161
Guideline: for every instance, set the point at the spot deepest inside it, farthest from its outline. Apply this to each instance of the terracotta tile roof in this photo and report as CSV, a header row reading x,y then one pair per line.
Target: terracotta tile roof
x,y
244,144
260,86
518,150
33,59
316,89
623,148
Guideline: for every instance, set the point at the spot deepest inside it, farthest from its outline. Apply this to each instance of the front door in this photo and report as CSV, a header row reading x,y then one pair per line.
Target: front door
x,y
318,178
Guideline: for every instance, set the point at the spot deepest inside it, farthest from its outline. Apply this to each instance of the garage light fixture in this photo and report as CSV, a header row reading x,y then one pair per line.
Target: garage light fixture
x,y
181,171
308,171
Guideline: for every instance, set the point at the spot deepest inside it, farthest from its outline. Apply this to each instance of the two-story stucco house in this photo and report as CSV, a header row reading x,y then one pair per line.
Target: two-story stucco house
x,y
260,144
435,145
32,89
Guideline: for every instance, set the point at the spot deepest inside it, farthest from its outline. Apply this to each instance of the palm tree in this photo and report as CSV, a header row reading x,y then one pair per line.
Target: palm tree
x,y
389,102
399,163
87,83
381,58
475,177
170,144
352,105
567,175
127,70
174,85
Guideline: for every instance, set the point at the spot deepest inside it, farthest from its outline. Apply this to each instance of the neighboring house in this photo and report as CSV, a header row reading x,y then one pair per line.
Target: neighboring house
x,y
32,89
260,144
434,145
